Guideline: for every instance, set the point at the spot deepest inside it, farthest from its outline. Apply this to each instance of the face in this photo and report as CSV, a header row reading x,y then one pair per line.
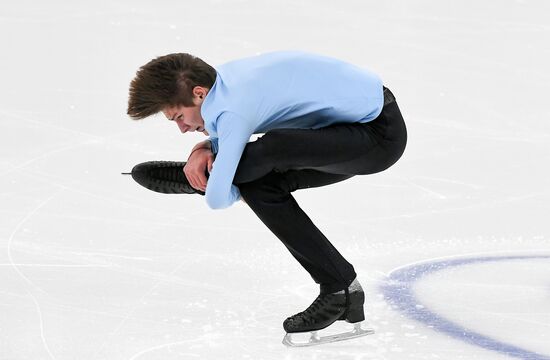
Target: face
x,y
189,118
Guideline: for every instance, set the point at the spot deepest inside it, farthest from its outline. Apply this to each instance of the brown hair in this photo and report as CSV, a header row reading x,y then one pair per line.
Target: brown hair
x,y
167,81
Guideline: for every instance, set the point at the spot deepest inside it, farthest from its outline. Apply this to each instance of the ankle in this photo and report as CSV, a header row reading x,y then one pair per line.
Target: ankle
x,y
355,286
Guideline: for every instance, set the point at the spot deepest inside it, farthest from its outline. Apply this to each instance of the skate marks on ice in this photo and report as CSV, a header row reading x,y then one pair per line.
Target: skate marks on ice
x,y
294,339
27,280
399,291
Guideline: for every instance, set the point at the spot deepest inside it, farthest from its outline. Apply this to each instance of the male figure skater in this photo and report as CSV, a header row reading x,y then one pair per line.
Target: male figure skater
x,y
324,121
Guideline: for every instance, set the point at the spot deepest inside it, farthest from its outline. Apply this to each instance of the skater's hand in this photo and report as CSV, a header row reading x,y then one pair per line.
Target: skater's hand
x,y
194,170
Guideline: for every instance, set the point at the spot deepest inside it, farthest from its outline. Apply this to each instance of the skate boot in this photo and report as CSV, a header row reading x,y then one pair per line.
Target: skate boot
x,y
165,177
324,311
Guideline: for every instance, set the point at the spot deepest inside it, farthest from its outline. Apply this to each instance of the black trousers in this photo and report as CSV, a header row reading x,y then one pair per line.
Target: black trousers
x,y
285,160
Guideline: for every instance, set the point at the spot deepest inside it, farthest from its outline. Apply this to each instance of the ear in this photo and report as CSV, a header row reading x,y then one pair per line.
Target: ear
x,y
199,93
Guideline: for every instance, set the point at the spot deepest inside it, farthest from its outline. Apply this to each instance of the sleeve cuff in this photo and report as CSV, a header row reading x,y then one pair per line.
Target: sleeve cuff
x,y
214,145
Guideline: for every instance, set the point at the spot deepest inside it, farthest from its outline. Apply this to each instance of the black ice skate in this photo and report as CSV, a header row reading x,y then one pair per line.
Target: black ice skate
x,y
165,177
325,310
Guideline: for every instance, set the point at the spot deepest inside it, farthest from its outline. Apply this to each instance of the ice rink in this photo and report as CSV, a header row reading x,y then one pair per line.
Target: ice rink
x,y
451,244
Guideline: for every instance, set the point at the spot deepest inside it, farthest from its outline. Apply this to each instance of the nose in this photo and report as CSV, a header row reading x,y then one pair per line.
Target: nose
x,y
183,128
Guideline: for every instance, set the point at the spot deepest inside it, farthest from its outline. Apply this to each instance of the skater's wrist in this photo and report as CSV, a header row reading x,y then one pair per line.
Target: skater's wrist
x,y
199,148
206,144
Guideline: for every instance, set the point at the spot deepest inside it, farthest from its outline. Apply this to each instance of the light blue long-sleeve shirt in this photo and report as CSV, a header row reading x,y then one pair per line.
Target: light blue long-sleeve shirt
x,y
282,89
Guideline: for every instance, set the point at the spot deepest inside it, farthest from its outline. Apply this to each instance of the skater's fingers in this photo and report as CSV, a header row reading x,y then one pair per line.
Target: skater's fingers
x,y
199,186
191,175
194,178
210,162
198,182
191,178
195,171
202,180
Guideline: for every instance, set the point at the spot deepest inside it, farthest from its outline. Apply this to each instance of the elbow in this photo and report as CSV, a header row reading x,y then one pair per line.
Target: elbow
x,y
216,202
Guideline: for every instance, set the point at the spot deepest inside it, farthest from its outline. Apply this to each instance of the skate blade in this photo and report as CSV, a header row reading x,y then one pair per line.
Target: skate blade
x,y
315,339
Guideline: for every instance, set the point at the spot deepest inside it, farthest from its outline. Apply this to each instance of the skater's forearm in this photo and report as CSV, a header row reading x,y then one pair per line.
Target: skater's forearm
x,y
234,133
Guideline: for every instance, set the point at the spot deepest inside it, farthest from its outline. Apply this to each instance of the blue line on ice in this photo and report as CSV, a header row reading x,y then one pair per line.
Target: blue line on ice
x,y
398,290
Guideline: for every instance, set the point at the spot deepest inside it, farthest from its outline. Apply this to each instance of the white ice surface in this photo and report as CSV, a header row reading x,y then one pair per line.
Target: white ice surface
x,y
92,266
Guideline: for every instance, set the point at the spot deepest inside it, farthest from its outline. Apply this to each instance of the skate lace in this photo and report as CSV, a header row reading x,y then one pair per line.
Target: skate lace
x,y
170,173
308,314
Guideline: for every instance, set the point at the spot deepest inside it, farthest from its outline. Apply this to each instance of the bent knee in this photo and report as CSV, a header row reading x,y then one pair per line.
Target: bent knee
x,y
271,186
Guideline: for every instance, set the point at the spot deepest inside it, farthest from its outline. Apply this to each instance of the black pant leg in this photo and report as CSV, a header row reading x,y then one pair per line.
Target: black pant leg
x,y
271,200
284,160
